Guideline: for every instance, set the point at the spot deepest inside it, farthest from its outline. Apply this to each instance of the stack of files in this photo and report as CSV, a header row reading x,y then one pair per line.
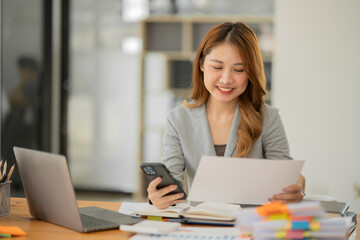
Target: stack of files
x,y
334,228
292,221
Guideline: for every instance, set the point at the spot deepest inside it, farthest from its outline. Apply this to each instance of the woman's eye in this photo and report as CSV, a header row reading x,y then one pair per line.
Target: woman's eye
x,y
239,70
217,68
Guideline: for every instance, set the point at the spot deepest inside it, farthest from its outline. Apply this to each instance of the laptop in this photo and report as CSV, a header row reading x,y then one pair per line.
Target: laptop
x,y
242,181
51,197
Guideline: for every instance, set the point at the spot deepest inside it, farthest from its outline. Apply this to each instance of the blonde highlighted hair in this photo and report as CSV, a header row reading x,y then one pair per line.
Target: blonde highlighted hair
x,y
251,102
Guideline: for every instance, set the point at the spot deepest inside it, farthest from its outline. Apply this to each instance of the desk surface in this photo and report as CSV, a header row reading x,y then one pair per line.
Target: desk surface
x,y
36,229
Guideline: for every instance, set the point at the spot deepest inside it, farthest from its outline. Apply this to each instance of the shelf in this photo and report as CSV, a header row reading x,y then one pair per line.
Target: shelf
x,y
163,36
180,74
207,19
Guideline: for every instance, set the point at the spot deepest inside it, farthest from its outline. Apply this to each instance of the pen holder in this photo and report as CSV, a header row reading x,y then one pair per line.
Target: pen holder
x,y
5,198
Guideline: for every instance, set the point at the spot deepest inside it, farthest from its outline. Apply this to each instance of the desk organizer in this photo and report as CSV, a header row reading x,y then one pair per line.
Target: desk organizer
x,y
5,198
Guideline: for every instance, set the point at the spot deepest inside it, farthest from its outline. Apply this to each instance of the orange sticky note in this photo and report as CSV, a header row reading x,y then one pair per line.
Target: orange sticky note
x,y
13,230
272,208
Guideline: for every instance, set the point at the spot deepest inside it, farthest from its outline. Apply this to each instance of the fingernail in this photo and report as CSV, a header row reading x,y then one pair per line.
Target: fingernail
x,y
159,179
174,187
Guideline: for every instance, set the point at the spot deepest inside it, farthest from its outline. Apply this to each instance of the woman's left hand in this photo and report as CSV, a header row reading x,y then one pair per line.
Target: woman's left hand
x,y
290,194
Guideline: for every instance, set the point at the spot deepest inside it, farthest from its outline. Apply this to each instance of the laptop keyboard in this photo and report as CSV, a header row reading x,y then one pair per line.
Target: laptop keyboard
x,y
90,222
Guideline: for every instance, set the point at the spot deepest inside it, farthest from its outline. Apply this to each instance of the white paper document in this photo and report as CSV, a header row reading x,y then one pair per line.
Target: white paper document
x,y
129,207
242,180
198,233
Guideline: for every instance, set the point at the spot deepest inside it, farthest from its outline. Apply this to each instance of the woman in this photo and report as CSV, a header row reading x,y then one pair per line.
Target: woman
x,y
227,115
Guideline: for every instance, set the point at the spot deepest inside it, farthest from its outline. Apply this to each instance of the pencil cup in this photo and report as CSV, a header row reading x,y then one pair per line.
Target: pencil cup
x,y
5,198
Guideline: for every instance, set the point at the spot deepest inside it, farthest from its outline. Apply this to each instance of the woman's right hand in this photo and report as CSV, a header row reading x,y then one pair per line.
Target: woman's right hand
x,y
157,196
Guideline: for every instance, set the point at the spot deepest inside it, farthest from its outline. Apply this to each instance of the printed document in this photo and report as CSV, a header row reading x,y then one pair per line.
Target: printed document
x,y
242,180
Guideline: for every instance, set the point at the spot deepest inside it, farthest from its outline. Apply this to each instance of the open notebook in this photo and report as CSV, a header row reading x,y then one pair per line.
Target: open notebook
x,y
205,210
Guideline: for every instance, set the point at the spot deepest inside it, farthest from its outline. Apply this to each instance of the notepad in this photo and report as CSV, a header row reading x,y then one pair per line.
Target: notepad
x,y
205,210
12,230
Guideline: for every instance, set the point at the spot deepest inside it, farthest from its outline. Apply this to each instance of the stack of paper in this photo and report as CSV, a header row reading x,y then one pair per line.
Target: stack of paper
x,y
197,233
292,221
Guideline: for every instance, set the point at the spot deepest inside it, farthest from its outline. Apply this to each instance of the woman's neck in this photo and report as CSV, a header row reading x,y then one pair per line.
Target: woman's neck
x,y
218,109
220,118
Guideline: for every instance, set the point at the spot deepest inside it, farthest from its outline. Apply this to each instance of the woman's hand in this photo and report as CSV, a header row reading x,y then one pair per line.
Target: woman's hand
x,y
290,194
157,196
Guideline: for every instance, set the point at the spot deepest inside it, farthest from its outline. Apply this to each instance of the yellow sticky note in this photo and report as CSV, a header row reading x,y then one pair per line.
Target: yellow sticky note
x,y
280,234
315,226
156,218
280,216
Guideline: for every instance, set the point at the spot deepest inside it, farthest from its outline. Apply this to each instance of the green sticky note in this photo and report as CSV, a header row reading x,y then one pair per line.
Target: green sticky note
x,y
5,235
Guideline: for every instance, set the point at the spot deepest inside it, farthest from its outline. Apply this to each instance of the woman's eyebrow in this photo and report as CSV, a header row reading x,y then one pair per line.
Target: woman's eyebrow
x,y
218,61
215,60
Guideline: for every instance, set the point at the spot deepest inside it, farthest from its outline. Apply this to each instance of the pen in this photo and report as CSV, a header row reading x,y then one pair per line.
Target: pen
x,y
10,173
0,168
2,180
4,170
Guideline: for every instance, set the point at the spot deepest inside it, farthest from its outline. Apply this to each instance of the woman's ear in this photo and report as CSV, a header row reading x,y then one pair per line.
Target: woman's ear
x,y
201,65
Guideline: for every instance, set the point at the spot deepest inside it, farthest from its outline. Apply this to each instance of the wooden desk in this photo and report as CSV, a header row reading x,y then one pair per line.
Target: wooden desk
x,y
36,229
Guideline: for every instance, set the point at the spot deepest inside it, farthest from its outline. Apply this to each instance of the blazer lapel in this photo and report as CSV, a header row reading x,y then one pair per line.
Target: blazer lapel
x,y
232,140
202,130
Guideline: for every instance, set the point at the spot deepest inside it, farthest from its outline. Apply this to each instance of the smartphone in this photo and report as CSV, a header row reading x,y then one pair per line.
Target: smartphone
x,y
154,170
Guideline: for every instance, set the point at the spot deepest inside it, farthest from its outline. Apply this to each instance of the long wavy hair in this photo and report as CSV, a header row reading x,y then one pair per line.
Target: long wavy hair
x,y
251,102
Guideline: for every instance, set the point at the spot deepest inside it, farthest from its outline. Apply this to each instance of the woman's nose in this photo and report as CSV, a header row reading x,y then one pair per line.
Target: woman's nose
x,y
226,77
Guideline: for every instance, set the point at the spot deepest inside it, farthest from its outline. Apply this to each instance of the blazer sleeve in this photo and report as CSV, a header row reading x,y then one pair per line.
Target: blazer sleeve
x,y
172,154
275,142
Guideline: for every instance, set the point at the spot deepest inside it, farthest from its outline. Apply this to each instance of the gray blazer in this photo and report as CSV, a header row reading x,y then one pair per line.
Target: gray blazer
x,y
187,137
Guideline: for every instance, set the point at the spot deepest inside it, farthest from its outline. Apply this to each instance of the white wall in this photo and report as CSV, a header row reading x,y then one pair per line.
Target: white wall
x,y
316,86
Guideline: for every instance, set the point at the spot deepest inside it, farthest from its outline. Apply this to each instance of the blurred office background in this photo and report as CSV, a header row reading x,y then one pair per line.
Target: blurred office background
x,y
93,80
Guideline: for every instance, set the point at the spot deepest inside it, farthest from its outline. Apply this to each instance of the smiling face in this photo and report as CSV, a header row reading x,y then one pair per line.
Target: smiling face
x,y
224,74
